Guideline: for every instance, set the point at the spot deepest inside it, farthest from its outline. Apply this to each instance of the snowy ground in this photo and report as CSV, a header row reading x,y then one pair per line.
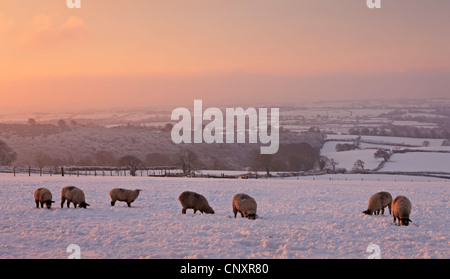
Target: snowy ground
x,y
303,218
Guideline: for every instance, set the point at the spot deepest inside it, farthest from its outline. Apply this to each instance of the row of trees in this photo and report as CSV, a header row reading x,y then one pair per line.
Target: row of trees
x,y
290,157
401,131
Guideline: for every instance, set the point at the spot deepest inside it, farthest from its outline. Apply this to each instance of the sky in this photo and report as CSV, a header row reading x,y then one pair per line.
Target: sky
x,y
134,53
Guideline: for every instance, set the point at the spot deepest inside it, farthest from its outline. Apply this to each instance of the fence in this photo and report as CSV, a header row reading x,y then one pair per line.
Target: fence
x,y
175,172
89,171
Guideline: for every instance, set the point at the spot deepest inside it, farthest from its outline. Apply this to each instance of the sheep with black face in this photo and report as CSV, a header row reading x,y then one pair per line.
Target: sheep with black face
x,y
378,202
401,209
192,200
245,205
43,196
73,195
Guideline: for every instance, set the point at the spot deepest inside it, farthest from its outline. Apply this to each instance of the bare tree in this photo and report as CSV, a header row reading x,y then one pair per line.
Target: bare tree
x,y
264,161
31,121
7,155
187,160
358,166
382,154
133,163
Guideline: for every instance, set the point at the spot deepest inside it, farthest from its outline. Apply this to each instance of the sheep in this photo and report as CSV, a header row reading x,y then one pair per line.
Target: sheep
x,y
41,196
378,202
401,208
73,195
128,196
194,201
244,204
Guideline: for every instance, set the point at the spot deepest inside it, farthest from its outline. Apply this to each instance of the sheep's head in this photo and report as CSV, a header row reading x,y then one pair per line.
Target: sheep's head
x,y
367,212
209,210
48,203
405,221
252,216
84,205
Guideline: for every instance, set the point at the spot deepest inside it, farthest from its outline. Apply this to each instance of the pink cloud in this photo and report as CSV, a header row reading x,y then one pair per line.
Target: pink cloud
x,y
42,32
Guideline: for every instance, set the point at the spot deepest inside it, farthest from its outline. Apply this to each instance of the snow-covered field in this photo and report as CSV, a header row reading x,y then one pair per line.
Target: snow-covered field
x,y
414,162
304,218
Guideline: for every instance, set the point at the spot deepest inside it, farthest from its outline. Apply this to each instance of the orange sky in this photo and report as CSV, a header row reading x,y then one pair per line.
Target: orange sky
x,y
140,53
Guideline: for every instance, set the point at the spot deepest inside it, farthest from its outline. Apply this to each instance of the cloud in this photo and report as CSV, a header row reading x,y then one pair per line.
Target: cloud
x,y
42,32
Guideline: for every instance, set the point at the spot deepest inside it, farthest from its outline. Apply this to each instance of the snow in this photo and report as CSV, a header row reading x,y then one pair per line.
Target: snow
x,y
433,158
388,140
347,159
306,218
419,162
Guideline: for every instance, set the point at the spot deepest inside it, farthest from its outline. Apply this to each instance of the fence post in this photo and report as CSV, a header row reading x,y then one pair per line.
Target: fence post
x,y
29,171
14,170
62,171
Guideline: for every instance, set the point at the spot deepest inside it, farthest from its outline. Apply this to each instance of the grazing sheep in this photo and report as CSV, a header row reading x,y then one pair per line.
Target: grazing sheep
x,y
378,202
128,196
401,208
194,201
43,195
244,204
73,195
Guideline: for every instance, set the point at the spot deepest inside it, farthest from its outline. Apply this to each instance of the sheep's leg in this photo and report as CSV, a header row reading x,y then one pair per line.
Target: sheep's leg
x,y
382,211
389,206
234,211
68,204
129,204
183,211
242,214
74,205
62,201
37,204
113,203
42,204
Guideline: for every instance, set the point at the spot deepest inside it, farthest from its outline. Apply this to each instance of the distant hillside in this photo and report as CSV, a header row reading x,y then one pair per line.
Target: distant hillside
x,y
78,145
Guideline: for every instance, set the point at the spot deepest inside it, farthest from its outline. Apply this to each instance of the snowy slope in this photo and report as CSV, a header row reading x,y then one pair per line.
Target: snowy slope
x,y
419,162
299,219
347,159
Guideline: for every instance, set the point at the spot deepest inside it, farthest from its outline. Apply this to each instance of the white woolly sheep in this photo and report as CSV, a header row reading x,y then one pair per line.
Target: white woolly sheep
x,y
378,202
192,200
73,195
401,208
128,196
43,196
244,204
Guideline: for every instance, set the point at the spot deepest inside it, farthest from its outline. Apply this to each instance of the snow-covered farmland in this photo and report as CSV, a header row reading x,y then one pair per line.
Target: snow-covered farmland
x,y
419,162
303,218
388,140
347,159
432,158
